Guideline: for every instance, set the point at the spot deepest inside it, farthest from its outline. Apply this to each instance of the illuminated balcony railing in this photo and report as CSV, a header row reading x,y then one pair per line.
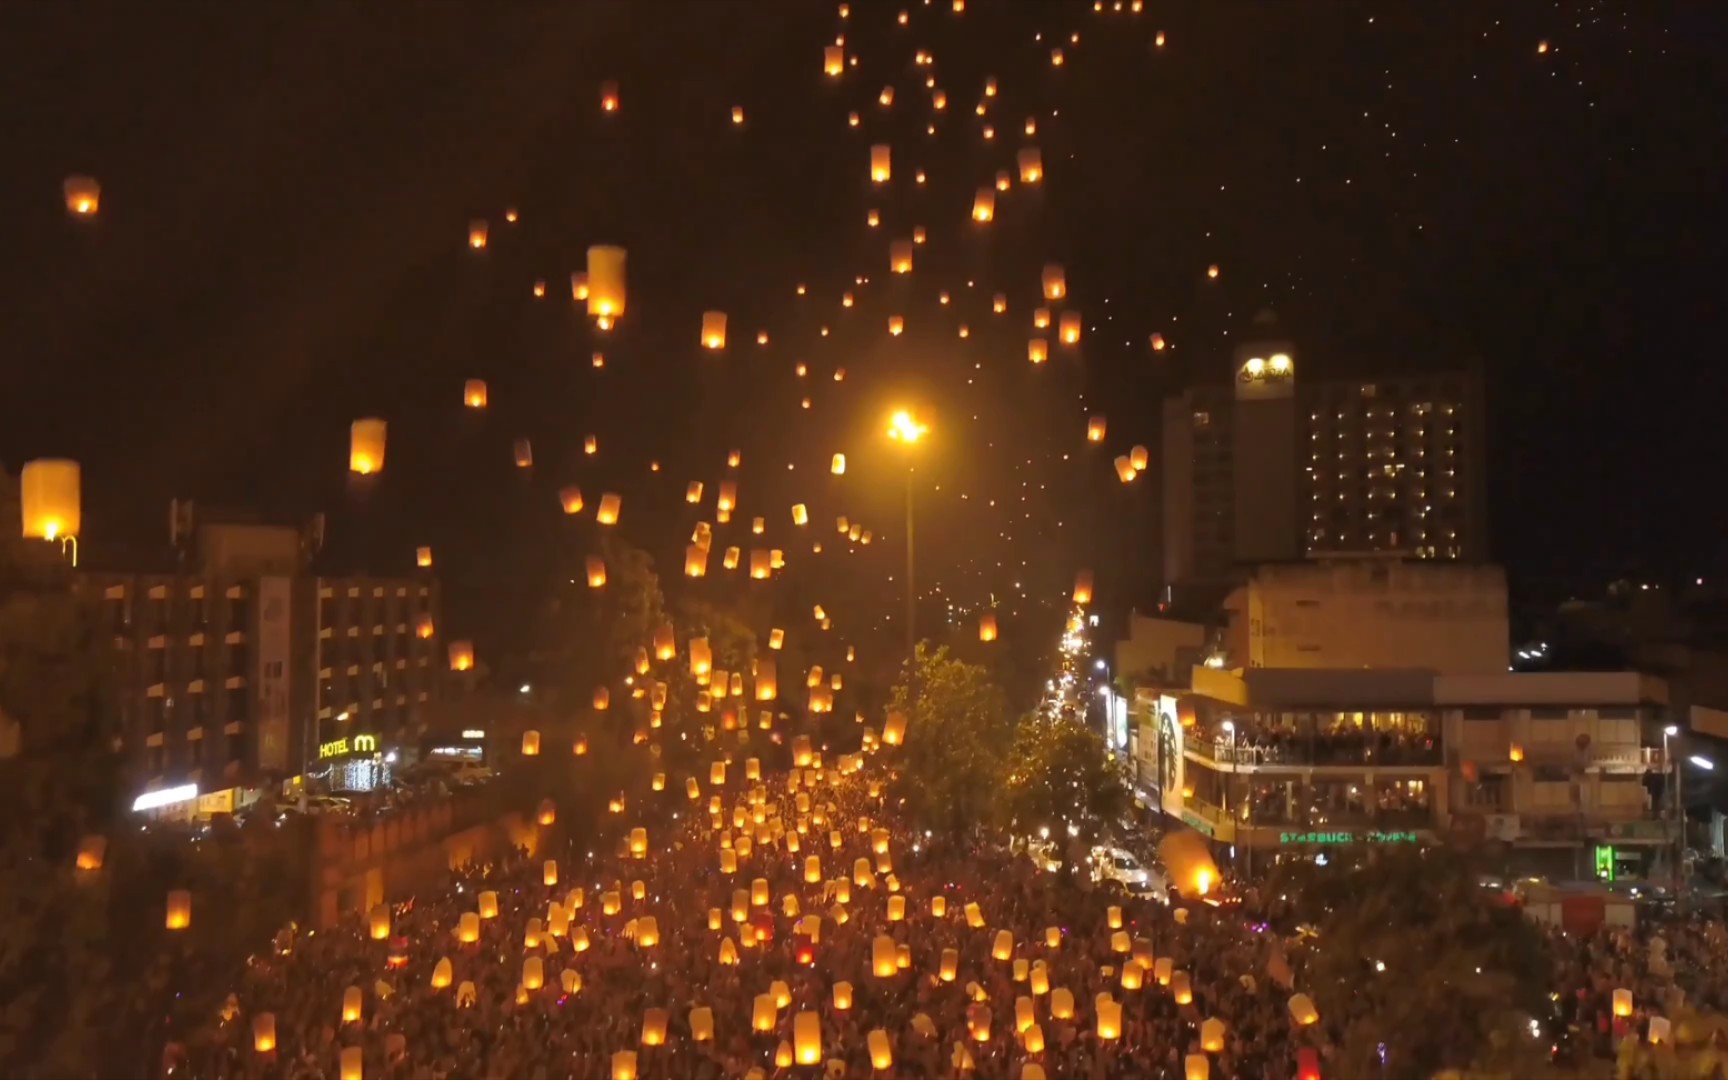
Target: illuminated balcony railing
x,y
1319,752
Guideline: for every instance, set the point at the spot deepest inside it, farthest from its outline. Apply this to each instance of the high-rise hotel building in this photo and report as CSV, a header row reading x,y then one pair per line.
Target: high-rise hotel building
x,y
1266,467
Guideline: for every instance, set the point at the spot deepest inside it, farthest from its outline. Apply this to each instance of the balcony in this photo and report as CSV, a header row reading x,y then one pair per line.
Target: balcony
x,y
1319,752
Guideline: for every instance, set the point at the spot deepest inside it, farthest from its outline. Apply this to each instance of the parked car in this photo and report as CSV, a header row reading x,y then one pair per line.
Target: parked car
x,y
1115,864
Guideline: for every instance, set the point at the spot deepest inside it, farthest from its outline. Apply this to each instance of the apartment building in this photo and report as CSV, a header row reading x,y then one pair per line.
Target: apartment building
x,y
238,669
1547,771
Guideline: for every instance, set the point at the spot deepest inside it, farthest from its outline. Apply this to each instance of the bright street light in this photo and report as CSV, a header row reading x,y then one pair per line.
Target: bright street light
x,y
1671,730
1702,762
902,426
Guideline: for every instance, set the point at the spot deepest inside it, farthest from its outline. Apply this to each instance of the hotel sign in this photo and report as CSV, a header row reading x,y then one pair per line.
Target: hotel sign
x,y
359,744
1346,837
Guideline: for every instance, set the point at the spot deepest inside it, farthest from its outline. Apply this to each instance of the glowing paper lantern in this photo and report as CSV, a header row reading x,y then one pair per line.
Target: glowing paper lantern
x,y
1622,1005
1181,990
883,964
366,439
1196,1067
379,921
1083,587
477,230
695,561
1133,975
264,1032
605,281
624,1065
807,1038
1069,328
764,1012
1303,1012
1212,1035
833,60
1033,1040
92,851
474,393
939,907
1037,350
1062,1003
881,163
1125,471
530,743
894,729
607,513
1095,428
1003,947
83,196
352,1002
1109,1019
713,329
1031,165
533,973
179,915
896,909
984,205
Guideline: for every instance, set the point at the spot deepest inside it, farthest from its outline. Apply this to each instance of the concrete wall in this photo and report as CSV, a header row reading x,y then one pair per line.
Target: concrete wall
x,y
1383,613
356,864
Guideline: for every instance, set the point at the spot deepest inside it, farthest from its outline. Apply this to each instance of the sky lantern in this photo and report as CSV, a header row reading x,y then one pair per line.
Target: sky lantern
x,y
1212,271
693,492
1031,164
1069,327
595,566
881,163
730,561
579,286
1109,1019
886,97
838,465
523,452
900,256
83,196
1159,40
539,289
607,512
800,514
51,499
609,96
1622,1006
1056,58
713,329
1083,588
477,234
728,498
1040,318
264,1032
605,281
1158,343
474,393
1140,458
896,325
624,1065
531,748
461,655
738,114
833,61
1095,428
179,911
987,626
366,446
1037,350
602,700
1055,282
984,205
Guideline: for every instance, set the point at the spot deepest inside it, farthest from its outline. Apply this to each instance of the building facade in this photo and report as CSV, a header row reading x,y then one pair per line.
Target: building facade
x,y
238,668
1271,468
1550,771
1385,612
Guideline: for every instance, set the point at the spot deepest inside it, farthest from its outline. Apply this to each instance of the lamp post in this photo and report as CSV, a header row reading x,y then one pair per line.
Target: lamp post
x,y
1677,814
906,430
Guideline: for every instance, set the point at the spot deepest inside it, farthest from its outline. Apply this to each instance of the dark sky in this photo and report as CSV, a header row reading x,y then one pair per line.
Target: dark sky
x,y
286,192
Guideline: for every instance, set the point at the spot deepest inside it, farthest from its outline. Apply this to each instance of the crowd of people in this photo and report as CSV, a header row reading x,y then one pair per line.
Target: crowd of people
x,y
433,1006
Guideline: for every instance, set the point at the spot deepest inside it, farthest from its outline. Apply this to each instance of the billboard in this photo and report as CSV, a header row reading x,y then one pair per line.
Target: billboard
x,y
1168,755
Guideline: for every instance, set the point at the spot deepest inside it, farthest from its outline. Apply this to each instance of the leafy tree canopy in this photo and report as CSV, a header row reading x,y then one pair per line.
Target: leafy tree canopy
x,y
1060,776
957,732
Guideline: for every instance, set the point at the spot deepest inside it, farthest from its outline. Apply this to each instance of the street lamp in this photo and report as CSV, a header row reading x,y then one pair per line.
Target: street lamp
x,y
1672,731
906,430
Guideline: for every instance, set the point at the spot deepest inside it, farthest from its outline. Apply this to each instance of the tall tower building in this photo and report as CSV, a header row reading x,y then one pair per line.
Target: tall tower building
x,y
1270,467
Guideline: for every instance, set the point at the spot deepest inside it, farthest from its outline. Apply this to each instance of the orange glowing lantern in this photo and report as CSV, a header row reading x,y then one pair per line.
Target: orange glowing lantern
x,y
366,439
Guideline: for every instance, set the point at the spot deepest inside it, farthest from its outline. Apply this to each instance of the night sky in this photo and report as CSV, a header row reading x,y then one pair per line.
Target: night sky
x,y
286,192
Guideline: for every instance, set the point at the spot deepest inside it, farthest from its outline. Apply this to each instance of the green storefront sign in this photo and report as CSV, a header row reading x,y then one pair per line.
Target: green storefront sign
x,y
1370,837
1199,824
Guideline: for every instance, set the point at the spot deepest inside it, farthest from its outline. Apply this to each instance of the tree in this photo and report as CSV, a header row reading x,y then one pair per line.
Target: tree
x,y
1416,971
59,775
1060,776
957,724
